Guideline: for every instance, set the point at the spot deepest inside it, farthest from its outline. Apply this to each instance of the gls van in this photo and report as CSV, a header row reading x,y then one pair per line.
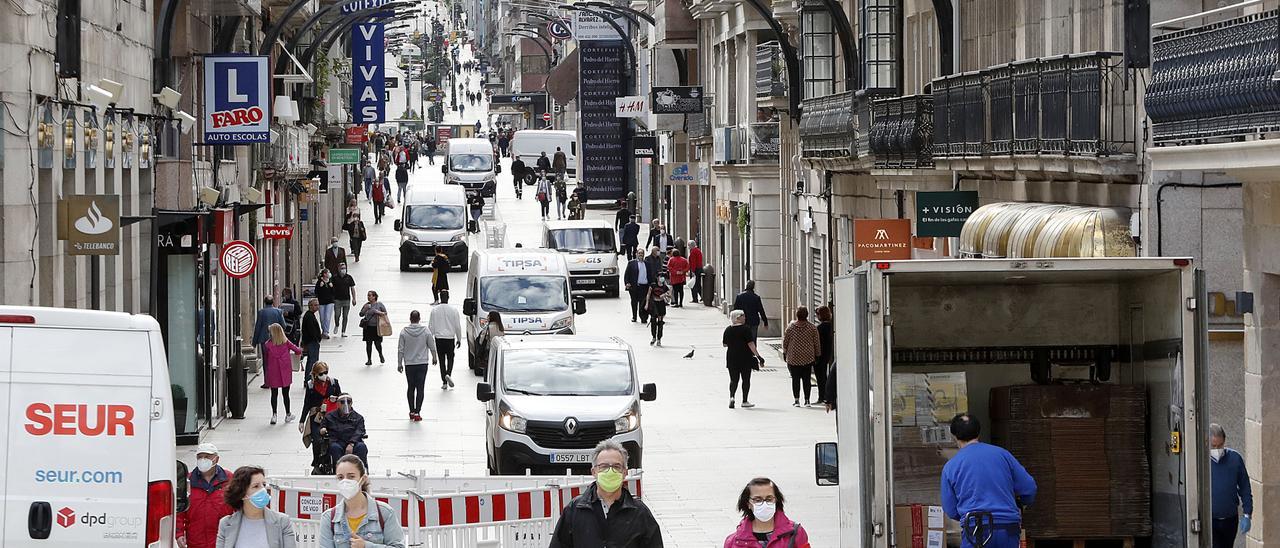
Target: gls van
x,y
433,215
550,400
87,411
591,249
471,164
528,287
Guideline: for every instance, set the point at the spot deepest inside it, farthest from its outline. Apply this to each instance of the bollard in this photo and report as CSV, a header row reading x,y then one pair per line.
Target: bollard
x,y
708,285
237,384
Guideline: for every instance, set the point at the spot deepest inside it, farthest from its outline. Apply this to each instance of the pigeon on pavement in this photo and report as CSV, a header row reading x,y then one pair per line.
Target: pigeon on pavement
x,y
689,356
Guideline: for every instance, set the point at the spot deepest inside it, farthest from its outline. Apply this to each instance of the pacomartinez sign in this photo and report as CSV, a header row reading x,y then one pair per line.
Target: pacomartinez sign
x,y
882,239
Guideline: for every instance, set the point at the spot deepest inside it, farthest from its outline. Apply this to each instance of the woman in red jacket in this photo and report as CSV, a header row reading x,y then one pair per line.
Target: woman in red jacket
x,y
197,527
695,269
678,269
764,525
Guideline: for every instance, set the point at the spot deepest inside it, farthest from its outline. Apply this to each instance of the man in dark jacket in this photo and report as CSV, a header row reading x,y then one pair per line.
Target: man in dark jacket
x,y
606,514
312,334
268,315
334,257
636,280
749,303
544,163
197,527
630,237
655,262
346,432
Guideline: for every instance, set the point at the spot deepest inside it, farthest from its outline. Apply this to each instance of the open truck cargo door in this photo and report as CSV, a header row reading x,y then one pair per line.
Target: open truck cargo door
x,y
854,416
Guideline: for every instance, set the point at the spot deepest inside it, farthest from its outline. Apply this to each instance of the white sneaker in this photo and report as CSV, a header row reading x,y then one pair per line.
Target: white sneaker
x,y
659,343
748,404
289,418
273,418
449,379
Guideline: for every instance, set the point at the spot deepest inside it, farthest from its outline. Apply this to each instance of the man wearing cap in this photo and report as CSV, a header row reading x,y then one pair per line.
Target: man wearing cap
x,y
198,526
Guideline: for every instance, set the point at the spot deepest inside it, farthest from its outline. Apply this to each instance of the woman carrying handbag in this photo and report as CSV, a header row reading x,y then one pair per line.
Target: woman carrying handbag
x,y
372,316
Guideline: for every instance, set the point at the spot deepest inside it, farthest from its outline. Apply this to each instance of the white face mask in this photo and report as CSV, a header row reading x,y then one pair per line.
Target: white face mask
x,y
764,510
323,378
348,488
204,465
1216,454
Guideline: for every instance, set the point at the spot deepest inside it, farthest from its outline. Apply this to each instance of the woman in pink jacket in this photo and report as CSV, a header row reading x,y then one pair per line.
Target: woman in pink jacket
x,y
279,368
764,525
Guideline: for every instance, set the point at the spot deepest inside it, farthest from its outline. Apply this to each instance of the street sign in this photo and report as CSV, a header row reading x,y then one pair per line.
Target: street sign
x,y
559,30
546,117
677,99
368,87
91,223
357,135
346,156
236,99
631,106
239,259
943,214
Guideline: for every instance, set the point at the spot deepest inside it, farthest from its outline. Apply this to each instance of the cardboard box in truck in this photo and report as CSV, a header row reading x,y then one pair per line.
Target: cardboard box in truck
x,y
1135,323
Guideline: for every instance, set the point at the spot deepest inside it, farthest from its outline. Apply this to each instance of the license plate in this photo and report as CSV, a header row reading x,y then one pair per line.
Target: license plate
x,y
570,458
585,281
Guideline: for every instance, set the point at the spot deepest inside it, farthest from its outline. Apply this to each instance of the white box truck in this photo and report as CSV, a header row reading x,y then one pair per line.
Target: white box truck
x,y
1018,322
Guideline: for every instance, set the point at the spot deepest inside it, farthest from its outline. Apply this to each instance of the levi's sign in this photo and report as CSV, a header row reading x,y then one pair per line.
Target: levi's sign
x,y
368,86
235,98
943,214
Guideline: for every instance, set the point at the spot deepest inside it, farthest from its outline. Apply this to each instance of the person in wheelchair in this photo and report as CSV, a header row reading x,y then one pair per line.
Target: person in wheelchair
x,y
346,433
321,399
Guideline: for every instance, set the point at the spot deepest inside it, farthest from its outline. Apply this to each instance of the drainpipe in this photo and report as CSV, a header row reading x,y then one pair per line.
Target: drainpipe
x,y
829,192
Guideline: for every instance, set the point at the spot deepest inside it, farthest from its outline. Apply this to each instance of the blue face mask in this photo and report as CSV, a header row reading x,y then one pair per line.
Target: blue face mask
x,y
261,498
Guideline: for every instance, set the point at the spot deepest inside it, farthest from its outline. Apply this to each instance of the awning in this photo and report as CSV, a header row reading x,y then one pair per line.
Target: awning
x,y
1035,230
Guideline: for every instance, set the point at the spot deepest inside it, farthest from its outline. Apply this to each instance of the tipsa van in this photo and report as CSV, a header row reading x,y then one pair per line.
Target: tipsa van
x,y
433,215
87,420
551,399
591,249
528,287
471,164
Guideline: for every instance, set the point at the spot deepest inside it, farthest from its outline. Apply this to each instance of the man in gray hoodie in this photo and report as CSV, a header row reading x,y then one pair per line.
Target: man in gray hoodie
x,y
416,343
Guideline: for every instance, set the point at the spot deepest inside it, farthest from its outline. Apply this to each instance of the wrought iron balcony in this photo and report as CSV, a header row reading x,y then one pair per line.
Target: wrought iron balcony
x,y
1215,81
771,76
1072,105
828,127
696,125
901,135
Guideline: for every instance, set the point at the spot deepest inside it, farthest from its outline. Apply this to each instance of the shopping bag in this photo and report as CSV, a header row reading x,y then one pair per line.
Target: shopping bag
x,y
384,326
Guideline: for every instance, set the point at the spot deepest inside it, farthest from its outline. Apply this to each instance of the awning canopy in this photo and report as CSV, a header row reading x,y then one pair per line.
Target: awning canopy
x,y
1035,230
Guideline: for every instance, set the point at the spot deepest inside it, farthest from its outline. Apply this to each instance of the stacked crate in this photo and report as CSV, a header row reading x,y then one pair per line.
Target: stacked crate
x,y
1086,447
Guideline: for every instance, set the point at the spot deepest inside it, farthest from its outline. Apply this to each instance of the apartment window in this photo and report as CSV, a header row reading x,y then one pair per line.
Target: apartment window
x,y
817,50
881,40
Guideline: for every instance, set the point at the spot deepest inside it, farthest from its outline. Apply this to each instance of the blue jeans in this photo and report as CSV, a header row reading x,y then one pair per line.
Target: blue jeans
x,y
368,189
337,450
1003,537
326,315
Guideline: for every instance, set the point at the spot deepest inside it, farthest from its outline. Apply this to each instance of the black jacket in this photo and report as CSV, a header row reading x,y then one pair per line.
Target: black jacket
x,y
827,342
749,303
656,266
584,525
631,234
344,429
621,218
315,399
311,328
632,273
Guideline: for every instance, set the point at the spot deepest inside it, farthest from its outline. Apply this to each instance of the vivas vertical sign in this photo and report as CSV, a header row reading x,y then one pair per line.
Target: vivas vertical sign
x,y
599,129
236,100
368,86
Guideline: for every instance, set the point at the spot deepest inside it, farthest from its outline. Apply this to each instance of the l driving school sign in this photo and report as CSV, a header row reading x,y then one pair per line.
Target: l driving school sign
x,y
236,99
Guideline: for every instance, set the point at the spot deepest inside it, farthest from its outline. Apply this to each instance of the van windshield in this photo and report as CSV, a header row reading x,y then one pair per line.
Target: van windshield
x,y
524,293
434,217
470,162
583,240
567,372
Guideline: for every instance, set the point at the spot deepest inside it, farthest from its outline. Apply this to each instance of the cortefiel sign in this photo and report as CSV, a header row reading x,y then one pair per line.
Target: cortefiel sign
x,y
677,100
368,86
882,239
236,99
943,214
353,6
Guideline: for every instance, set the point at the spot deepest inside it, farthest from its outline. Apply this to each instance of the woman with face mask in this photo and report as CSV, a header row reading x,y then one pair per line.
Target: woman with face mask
x,y
656,304
358,521
253,525
321,399
764,525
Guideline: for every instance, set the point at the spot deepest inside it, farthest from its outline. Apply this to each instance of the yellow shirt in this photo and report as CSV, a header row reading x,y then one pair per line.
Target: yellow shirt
x,y
354,523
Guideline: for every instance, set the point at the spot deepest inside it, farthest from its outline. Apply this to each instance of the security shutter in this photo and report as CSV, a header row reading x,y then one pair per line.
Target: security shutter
x,y
818,294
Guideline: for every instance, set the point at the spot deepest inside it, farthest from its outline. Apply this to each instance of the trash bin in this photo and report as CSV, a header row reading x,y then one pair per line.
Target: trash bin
x,y
708,285
237,384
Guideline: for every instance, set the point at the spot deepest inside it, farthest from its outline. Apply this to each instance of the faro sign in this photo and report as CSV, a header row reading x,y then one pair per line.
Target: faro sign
x,y
236,100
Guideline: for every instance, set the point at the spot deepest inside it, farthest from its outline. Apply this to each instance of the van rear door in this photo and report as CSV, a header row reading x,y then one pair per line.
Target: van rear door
x,y
5,343
79,446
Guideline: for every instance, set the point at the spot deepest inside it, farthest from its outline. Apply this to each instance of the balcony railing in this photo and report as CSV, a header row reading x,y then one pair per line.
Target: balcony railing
x,y
1215,81
1073,105
828,127
901,133
771,78
696,125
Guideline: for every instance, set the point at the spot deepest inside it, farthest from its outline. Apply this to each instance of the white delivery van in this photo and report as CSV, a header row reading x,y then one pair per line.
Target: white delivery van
x,y
529,144
471,164
551,399
433,215
87,414
528,287
591,249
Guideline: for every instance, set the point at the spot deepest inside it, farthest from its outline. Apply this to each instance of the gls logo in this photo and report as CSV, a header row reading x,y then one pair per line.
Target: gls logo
x,y
67,518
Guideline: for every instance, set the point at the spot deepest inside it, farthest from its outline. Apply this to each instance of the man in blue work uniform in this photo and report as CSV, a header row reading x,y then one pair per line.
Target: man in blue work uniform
x,y
1229,481
983,487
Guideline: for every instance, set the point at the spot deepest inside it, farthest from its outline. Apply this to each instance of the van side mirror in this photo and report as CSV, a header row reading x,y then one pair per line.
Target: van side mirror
x,y
484,391
398,226
444,168
649,392
180,488
826,462
469,306
579,305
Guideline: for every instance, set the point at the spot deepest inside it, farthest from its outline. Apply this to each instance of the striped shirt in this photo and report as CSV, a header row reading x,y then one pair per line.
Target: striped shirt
x,y
801,344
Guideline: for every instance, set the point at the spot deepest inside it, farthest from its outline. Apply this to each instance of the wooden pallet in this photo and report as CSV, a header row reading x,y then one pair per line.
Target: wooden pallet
x,y
1121,542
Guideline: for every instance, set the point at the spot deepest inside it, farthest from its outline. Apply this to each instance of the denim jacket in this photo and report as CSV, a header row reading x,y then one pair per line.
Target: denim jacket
x,y
380,527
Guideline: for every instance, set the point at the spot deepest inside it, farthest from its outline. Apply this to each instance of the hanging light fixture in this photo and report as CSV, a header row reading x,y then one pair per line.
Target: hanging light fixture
x,y
145,138
127,137
109,140
90,138
44,137
69,138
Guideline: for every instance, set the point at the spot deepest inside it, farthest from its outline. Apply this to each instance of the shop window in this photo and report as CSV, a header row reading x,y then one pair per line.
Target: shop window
x,y
817,50
881,45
